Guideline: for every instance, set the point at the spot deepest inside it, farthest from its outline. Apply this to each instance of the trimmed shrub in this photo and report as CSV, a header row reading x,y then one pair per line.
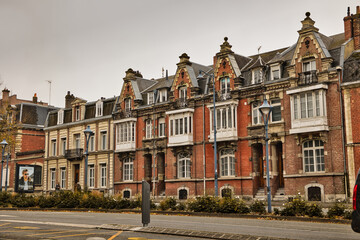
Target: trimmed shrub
x,y
168,203
299,207
231,205
258,207
337,210
181,206
5,199
46,201
23,201
314,210
203,204
67,199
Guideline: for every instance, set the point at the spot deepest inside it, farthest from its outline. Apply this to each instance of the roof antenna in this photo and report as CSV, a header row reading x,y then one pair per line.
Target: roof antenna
x,y
49,81
259,49
167,77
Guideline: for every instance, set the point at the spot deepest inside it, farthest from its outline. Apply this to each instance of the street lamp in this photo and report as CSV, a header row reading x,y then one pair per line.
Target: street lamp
x,y
88,133
265,110
211,75
3,145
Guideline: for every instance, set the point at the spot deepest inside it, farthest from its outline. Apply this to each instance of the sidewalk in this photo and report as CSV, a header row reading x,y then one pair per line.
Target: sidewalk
x,y
185,233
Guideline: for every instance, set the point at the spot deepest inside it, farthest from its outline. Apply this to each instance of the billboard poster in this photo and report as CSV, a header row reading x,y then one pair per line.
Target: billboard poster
x,y
25,178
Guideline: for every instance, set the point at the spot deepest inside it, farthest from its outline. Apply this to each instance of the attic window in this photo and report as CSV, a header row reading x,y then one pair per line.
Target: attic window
x,y
60,119
224,64
77,113
127,104
150,98
163,95
99,109
257,76
127,87
182,74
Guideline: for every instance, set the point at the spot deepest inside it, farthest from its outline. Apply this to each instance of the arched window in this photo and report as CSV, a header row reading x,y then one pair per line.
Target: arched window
x,y
126,194
128,169
183,194
227,162
313,156
184,165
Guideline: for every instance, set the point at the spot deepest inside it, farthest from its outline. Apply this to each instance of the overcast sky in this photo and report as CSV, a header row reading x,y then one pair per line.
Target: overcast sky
x,y
85,46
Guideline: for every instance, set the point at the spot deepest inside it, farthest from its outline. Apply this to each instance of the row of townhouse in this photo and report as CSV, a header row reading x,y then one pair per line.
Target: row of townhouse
x,y
162,130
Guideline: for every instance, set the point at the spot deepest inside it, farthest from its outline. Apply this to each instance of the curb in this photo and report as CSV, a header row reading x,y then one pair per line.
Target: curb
x,y
186,233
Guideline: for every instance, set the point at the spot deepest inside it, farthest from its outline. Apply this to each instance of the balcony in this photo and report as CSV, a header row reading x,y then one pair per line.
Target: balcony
x,y
181,103
307,78
223,95
224,134
74,154
125,146
180,140
126,113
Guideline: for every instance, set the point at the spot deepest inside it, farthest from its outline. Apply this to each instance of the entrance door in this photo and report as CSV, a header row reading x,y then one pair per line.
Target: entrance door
x,y
76,175
280,164
257,156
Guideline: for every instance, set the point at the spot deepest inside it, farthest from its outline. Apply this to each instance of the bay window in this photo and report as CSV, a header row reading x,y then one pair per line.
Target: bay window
x,y
180,128
125,135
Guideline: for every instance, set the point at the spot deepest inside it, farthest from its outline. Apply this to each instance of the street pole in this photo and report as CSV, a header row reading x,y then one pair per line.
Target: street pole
x,y
3,144
265,110
88,133
215,146
7,169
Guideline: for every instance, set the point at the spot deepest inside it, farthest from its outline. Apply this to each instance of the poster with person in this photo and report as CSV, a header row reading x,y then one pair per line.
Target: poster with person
x,y
26,179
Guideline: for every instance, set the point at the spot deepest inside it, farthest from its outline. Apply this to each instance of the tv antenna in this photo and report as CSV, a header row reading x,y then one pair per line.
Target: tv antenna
x,y
49,81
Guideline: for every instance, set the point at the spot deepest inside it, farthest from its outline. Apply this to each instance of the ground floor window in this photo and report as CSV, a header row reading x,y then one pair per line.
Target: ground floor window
x,y
227,162
63,178
52,178
128,169
313,156
184,165
91,176
102,175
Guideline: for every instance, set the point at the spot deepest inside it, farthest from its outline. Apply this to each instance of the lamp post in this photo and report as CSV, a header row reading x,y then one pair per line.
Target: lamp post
x,y
3,145
265,110
88,133
7,168
211,75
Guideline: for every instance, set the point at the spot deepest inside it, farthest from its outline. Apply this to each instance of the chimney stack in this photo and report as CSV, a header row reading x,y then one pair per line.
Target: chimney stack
x,y
352,27
35,99
5,95
68,99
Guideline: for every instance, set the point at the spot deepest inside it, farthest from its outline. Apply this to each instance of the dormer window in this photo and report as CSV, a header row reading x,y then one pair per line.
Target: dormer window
x,y
60,119
77,113
275,72
182,92
127,105
225,85
257,75
150,96
99,109
309,66
163,95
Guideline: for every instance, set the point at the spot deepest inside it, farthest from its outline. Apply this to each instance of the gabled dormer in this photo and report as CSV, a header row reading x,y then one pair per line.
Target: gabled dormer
x,y
99,108
183,82
258,71
226,70
311,55
78,109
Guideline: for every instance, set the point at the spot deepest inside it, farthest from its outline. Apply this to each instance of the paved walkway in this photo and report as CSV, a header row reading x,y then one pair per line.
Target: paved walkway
x,y
185,233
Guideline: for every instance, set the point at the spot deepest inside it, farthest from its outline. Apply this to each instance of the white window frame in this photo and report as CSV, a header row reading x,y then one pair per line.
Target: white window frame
x,y
275,68
103,140
52,178
127,104
256,117
275,103
63,145
77,113
163,95
183,92
184,165
128,169
308,66
149,131
103,174
150,97
225,85
63,178
303,108
99,108
92,143
53,147
257,75
181,125
60,119
91,174
227,163
77,141
125,132
162,127
313,156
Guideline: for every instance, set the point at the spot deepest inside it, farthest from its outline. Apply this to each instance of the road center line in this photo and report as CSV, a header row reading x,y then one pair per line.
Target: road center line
x,y
114,236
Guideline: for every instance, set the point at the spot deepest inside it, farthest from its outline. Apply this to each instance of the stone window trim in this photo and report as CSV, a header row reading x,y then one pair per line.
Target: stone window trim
x,y
183,164
227,186
126,189
306,187
183,188
99,108
227,162
275,103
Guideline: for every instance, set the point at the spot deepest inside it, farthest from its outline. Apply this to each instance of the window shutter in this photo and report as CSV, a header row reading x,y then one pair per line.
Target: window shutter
x,y
37,175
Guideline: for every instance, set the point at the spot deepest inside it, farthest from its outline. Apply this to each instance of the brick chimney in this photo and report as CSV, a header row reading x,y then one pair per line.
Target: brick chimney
x,y
352,27
5,94
35,99
68,99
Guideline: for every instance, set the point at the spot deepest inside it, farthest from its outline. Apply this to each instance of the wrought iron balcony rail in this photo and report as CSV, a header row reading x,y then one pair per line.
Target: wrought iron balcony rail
x,y
306,78
74,154
223,95
181,102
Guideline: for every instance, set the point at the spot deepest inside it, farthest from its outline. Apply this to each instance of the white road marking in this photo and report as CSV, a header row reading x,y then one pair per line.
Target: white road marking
x,y
53,223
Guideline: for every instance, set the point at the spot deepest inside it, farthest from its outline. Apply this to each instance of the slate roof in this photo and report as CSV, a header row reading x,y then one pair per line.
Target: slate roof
x,y
33,114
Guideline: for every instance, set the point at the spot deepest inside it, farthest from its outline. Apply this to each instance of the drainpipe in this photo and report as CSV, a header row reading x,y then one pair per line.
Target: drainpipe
x,y
340,77
204,166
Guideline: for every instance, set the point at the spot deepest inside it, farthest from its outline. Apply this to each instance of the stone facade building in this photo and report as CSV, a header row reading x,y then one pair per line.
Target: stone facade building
x,y
65,146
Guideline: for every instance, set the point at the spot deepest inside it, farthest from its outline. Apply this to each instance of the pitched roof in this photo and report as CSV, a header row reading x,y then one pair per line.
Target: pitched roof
x,y
33,114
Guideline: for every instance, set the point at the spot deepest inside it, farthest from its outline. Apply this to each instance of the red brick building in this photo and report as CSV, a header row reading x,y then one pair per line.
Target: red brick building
x,y
164,131
26,142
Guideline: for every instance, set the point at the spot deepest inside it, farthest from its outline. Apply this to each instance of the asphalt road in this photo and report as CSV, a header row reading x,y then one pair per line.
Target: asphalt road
x,y
256,227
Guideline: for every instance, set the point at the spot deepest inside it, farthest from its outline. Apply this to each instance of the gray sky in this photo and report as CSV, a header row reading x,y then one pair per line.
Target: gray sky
x,y
85,46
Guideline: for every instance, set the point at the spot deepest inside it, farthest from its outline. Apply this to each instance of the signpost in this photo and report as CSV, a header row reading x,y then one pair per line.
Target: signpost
x,y
145,203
